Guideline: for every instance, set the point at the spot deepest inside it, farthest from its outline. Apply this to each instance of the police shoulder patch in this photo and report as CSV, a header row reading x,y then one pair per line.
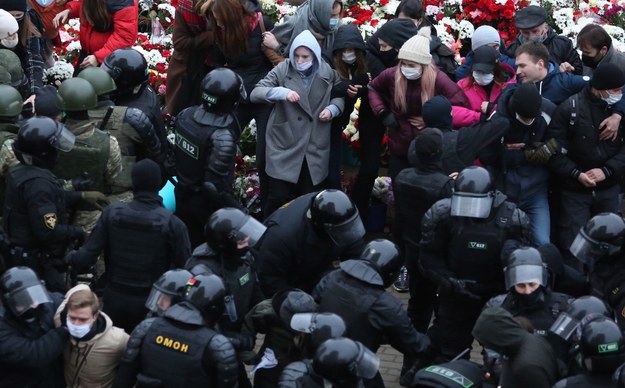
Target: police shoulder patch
x,y
49,219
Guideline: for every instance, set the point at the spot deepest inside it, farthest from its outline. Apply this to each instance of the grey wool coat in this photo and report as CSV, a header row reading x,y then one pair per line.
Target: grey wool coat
x,y
294,131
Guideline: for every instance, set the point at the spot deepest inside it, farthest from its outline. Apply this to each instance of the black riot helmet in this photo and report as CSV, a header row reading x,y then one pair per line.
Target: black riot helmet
x,y
473,193
333,214
22,292
525,265
602,345
568,322
455,374
289,302
602,236
127,67
222,91
39,139
320,326
168,290
207,293
229,226
344,362
379,263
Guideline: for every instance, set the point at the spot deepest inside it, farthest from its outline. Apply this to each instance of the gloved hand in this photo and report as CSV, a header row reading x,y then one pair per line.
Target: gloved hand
x,y
83,182
461,287
388,120
542,152
96,199
243,342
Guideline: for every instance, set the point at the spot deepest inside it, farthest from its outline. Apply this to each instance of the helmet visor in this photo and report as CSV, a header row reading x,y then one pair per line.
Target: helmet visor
x,y
63,140
525,274
367,364
251,229
564,326
588,250
158,301
28,298
471,205
346,233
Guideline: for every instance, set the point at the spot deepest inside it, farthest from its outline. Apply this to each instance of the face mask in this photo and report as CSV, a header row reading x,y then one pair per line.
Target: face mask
x,y
612,99
529,300
9,43
44,3
77,331
591,62
349,57
334,22
411,73
524,121
483,79
389,58
303,66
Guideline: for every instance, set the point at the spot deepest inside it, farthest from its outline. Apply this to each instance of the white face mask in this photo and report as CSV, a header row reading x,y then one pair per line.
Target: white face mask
x,y
612,99
411,73
483,79
303,66
349,57
9,43
525,121
77,331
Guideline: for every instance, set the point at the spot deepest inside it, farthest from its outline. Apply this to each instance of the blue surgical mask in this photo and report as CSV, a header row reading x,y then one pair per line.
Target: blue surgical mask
x,y
411,73
303,66
78,331
483,79
612,99
334,22
349,57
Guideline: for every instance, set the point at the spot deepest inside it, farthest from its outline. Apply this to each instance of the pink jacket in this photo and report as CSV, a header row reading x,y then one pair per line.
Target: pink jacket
x,y
463,117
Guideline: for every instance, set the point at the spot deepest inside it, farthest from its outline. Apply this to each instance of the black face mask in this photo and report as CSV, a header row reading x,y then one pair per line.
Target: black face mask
x,y
389,57
531,300
590,61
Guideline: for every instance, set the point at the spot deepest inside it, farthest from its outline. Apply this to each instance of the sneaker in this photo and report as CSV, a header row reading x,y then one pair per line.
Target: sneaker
x,y
401,284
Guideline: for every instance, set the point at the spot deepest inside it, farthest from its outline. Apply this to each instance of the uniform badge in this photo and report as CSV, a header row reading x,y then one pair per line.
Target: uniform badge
x,y
50,220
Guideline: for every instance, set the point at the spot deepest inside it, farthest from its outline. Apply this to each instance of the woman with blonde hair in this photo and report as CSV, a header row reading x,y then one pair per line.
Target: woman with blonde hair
x,y
398,93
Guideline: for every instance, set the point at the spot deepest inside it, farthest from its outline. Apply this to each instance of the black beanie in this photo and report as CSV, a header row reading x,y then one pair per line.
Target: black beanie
x,y
47,102
13,5
396,32
436,113
526,101
429,142
608,76
146,176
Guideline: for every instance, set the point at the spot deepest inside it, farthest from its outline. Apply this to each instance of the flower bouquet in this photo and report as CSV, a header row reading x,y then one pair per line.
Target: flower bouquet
x,y
59,72
246,183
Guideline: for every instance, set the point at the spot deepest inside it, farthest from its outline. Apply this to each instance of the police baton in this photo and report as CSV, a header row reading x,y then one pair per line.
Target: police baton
x,y
107,117
462,353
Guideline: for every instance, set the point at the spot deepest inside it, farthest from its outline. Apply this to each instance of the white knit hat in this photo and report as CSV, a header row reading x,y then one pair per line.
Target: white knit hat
x,y
417,48
484,35
8,24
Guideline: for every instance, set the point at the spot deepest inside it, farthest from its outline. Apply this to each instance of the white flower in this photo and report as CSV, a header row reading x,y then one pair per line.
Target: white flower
x,y
167,7
563,18
465,29
60,71
74,23
75,45
431,10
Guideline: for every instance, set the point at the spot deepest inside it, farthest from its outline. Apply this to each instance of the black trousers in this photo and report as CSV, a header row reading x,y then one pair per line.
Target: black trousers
x,y
281,192
126,309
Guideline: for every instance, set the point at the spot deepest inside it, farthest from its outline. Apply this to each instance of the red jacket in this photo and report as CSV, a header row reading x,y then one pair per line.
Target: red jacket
x,y
125,16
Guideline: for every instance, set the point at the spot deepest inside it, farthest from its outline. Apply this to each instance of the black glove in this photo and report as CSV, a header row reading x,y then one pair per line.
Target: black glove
x,y
96,199
461,287
388,120
243,342
83,182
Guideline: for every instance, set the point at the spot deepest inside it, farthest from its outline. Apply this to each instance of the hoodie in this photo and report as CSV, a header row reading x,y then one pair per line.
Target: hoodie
x,y
530,359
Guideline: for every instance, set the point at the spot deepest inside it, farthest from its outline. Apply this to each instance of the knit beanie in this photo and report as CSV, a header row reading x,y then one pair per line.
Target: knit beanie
x,y
607,76
429,142
417,48
47,102
146,176
396,32
8,24
13,5
526,101
288,302
483,36
436,113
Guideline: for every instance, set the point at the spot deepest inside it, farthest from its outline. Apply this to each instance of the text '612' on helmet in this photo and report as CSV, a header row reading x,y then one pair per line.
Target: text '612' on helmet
x,y
101,81
379,263
334,214
39,139
127,67
168,290
525,265
22,291
343,361
568,322
602,236
228,226
10,101
602,345
207,292
222,91
473,193
76,95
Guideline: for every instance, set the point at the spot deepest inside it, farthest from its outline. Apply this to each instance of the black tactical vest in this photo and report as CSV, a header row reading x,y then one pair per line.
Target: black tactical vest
x,y
192,148
451,160
173,354
138,242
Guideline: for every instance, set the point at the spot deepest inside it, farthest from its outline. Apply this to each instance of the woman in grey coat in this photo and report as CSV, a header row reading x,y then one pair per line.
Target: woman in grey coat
x,y
298,131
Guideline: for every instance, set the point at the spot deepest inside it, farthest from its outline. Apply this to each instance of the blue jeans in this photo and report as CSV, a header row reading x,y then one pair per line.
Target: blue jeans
x,y
536,206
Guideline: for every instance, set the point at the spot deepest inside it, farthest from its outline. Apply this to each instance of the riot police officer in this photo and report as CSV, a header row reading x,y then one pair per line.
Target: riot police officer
x,y
356,292
602,351
304,237
135,133
462,239
205,150
182,348
529,294
30,347
167,290
454,374
10,108
35,202
598,245
12,64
